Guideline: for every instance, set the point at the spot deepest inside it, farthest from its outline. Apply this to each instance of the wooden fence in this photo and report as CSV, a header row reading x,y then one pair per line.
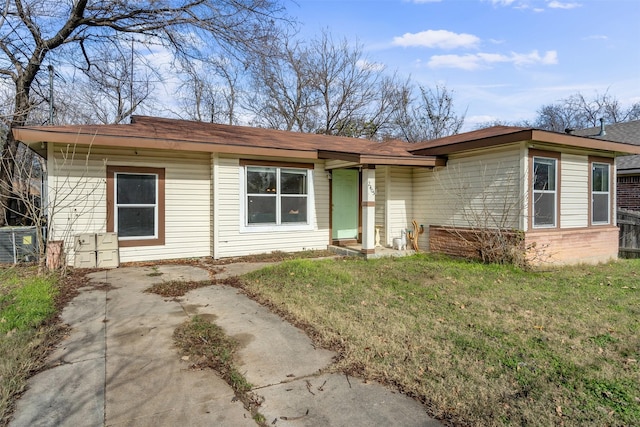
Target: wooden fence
x,y
629,223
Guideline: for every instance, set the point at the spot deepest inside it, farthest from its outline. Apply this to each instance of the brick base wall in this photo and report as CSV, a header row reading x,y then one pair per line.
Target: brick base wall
x,y
628,192
447,241
573,246
463,242
556,247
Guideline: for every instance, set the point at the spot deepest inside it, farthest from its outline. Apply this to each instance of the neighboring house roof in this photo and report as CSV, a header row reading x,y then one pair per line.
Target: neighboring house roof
x,y
625,132
173,134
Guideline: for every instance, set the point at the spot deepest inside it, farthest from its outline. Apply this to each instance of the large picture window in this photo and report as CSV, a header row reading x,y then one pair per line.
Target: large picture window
x,y
276,196
545,201
136,205
600,193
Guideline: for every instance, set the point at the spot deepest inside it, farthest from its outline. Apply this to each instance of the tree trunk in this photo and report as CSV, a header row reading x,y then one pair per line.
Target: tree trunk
x,y
10,148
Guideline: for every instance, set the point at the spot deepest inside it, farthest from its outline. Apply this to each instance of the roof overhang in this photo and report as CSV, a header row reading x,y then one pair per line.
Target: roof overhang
x,y
450,145
35,137
383,160
635,171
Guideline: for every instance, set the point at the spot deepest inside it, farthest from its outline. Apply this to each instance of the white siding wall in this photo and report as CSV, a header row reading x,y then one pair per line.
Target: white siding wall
x,y
381,192
574,191
471,190
399,201
232,241
80,202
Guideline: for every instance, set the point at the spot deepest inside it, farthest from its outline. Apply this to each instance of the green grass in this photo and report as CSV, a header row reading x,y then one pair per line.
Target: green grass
x,y
27,302
479,344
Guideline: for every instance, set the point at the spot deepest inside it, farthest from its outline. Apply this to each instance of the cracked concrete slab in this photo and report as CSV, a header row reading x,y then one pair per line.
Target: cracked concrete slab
x,y
271,350
118,366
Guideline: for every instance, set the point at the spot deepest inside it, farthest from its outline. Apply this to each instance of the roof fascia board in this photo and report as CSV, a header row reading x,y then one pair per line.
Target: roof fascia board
x,y
585,142
634,171
337,155
533,135
428,161
509,138
30,137
372,159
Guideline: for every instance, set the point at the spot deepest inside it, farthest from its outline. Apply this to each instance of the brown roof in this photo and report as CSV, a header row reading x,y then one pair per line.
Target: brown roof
x,y
173,134
499,135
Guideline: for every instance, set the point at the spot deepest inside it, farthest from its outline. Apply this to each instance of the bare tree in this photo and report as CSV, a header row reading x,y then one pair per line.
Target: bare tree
x,y
488,202
75,195
428,116
323,87
578,112
115,87
211,89
283,94
74,33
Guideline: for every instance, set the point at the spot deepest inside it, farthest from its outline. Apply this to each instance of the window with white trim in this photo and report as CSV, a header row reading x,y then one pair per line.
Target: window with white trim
x,y
136,205
276,196
600,193
544,192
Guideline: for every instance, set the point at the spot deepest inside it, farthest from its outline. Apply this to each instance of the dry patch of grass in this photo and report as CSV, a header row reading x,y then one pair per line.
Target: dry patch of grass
x,y
176,288
207,346
277,256
478,344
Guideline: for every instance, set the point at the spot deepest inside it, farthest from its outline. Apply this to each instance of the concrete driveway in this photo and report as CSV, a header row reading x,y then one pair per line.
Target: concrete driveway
x,y
118,366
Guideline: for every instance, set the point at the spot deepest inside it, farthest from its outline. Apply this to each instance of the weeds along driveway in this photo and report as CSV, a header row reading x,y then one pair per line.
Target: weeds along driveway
x,y
119,365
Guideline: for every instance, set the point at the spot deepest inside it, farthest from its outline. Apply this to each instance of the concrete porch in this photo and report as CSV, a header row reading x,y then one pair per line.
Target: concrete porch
x,y
380,251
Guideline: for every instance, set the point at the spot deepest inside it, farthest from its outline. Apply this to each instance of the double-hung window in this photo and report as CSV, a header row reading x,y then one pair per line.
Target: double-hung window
x,y
545,198
136,205
600,193
276,196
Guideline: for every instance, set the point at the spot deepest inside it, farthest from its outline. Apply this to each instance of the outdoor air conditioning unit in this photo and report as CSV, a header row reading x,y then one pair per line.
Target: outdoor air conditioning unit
x,y
18,244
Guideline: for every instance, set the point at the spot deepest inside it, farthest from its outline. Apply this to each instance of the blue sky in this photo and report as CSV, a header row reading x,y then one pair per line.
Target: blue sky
x,y
503,59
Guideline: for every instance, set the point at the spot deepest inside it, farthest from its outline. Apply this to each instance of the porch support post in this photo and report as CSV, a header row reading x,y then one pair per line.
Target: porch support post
x,y
368,210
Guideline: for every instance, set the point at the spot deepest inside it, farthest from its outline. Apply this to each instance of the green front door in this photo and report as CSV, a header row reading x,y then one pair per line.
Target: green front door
x,y
344,191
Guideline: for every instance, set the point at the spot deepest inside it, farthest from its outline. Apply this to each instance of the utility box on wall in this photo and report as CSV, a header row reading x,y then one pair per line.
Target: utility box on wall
x,y
84,242
97,250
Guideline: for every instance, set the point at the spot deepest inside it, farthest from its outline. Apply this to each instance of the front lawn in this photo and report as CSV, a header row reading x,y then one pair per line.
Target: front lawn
x,y
27,302
478,344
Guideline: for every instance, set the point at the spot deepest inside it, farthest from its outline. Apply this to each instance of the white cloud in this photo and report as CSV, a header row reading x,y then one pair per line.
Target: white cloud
x,y
596,37
437,39
472,62
467,62
501,2
549,58
560,5
363,64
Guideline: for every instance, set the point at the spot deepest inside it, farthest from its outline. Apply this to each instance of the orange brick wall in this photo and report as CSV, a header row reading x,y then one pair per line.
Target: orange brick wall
x,y
568,246
459,241
447,241
574,246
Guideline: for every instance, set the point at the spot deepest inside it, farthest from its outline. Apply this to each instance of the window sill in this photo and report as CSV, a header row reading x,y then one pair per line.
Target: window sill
x,y
142,242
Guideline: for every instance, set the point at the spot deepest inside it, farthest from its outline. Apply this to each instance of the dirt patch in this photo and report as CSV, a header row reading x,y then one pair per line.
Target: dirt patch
x,y
176,288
